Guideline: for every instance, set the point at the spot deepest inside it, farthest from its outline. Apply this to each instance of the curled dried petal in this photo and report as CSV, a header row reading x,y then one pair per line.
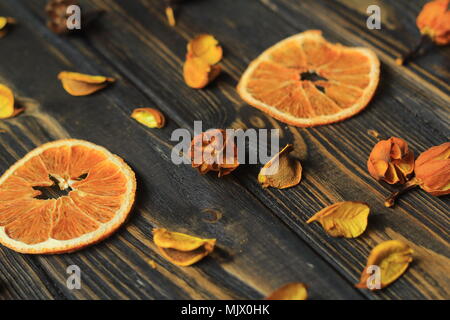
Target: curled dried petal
x,y
7,103
281,171
391,161
290,291
392,258
182,249
433,170
149,117
198,73
343,219
206,48
79,84
434,21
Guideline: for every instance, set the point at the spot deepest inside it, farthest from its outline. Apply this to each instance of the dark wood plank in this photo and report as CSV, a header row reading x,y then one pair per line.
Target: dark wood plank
x,y
335,165
257,252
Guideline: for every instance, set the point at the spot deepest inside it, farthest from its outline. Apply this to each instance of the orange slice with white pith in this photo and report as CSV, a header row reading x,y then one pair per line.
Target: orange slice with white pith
x,y
96,193
306,81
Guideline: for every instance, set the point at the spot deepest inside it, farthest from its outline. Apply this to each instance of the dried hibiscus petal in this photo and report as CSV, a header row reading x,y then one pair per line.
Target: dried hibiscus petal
x,y
391,161
182,249
149,117
214,150
282,171
5,24
7,103
432,169
343,219
290,291
78,84
392,257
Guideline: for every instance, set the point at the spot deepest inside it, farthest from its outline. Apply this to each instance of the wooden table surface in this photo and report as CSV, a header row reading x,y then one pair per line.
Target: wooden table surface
x,y
263,239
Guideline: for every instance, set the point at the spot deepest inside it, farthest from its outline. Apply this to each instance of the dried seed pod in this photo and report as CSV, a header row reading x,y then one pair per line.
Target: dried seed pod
x,y
392,257
7,103
182,249
391,161
213,150
433,22
432,169
78,84
290,291
149,117
5,24
343,219
281,171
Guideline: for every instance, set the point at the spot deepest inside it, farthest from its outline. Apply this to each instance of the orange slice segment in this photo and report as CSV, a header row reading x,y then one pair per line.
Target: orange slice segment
x,y
99,192
306,81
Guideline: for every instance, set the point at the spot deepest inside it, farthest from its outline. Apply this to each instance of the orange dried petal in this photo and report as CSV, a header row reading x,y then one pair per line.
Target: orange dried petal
x,y
182,249
290,291
7,103
198,74
79,84
149,117
343,219
392,257
205,47
434,21
281,171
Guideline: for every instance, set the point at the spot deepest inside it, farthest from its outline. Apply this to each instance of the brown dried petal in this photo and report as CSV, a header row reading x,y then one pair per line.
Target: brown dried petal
x,y
182,249
290,291
281,171
78,84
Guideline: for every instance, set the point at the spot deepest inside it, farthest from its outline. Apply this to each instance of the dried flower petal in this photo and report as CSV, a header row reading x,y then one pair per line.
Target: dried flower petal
x,y
391,161
281,171
205,47
5,23
149,117
78,84
214,151
182,249
290,291
392,257
198,73
343,219
433,170
7,103
434,21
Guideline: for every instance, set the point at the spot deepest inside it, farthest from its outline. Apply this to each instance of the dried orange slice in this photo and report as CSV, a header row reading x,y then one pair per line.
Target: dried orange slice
x,y
96,191
306,81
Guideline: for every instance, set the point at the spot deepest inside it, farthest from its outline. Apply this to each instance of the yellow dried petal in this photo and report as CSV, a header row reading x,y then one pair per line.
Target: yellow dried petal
x,y
5,22
79,84
197,73
182,249
290,291
149,117
7,103
170,16
281,171
343,219
205,47
392,257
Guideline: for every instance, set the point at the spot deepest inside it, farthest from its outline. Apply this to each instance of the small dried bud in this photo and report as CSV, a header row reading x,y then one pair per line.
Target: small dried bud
x,y
433,170
149,117
391,161
434,21
214,151
57,15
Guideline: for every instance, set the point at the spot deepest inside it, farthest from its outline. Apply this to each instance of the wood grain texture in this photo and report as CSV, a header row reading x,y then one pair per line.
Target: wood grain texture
x,y
263,234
